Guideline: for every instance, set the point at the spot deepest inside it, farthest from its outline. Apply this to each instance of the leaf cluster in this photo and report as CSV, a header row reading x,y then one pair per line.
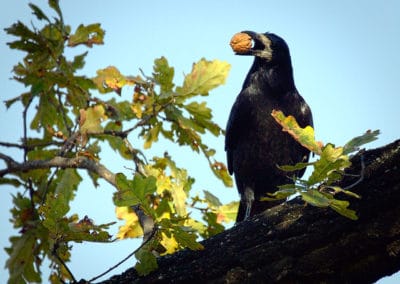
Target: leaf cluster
x,y
320,189
74,116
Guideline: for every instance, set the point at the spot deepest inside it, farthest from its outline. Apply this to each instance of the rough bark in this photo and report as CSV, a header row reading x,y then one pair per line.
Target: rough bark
x,y
298,243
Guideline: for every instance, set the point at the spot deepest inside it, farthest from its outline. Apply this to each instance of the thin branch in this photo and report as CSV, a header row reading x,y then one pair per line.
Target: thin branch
x,y
153,232
15,145
77,162
361,175
30,147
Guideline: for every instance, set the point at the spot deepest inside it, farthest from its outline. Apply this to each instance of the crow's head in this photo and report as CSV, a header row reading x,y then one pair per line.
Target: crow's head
x,y
267,46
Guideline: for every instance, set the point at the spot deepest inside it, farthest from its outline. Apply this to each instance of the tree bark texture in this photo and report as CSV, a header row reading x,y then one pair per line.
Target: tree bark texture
x,y
298,243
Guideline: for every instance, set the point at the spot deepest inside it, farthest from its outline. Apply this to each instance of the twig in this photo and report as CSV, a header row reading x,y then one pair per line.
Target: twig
x,y
153,232
25,129
54,252
361,175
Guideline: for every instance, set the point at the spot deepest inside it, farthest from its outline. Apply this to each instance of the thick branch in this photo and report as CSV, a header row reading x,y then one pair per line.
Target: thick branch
x,y
77,162
295,243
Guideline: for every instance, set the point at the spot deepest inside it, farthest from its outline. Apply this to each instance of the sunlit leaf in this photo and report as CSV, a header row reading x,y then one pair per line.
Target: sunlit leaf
x,y
221,171
133,192
163,74
316,198
87,35
283,193
227,213
355,143
110,79
305,136
340,206
205,76
337,189
331,161
169,243
152,136
91,119
131,228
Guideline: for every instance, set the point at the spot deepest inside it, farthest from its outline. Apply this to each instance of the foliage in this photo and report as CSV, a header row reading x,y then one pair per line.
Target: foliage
x,y
320,189
74,120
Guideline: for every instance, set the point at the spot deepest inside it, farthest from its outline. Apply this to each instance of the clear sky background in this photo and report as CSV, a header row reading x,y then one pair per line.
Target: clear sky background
x,y
345,56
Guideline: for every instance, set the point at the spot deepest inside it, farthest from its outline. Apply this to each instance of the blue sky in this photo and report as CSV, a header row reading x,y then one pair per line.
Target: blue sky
x,y
345,57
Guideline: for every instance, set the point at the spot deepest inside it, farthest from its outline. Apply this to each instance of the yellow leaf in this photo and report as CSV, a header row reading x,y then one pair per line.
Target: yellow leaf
x,y
91,118
111,79
227,213
137,109
179,196
131,228
305,136
205,76
169,243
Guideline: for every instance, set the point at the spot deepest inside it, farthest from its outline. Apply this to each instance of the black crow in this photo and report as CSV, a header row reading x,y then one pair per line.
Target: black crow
x,y
254,142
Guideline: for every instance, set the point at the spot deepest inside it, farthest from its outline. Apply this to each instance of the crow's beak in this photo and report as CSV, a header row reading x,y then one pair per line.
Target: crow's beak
x,y
261,46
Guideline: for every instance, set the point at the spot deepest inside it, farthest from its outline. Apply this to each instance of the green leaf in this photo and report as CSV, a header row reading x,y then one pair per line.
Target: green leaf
x,y
47,112
205,76
152,135
122,182
146,261
355,143
284,192
163,75
214,220
56,7
87,35
316,198
57,203
340,206
330,163
305,136
337,189
38,12
133,192
68,183
211,199
79,61
86,230
199,110
91,118
10,181
21,262
297,167
186,239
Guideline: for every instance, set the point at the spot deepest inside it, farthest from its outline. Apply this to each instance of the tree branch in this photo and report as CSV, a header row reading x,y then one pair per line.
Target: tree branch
x,y
79,162
295,243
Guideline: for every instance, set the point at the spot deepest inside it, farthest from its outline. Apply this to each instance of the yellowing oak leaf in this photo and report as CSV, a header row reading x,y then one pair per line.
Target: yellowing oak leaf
x,y
205,76
131,228
87,35
169,243
91,118
305,136
111,79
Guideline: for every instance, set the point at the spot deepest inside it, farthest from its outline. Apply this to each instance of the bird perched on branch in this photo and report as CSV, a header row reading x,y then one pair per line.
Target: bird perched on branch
x,y
254,142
